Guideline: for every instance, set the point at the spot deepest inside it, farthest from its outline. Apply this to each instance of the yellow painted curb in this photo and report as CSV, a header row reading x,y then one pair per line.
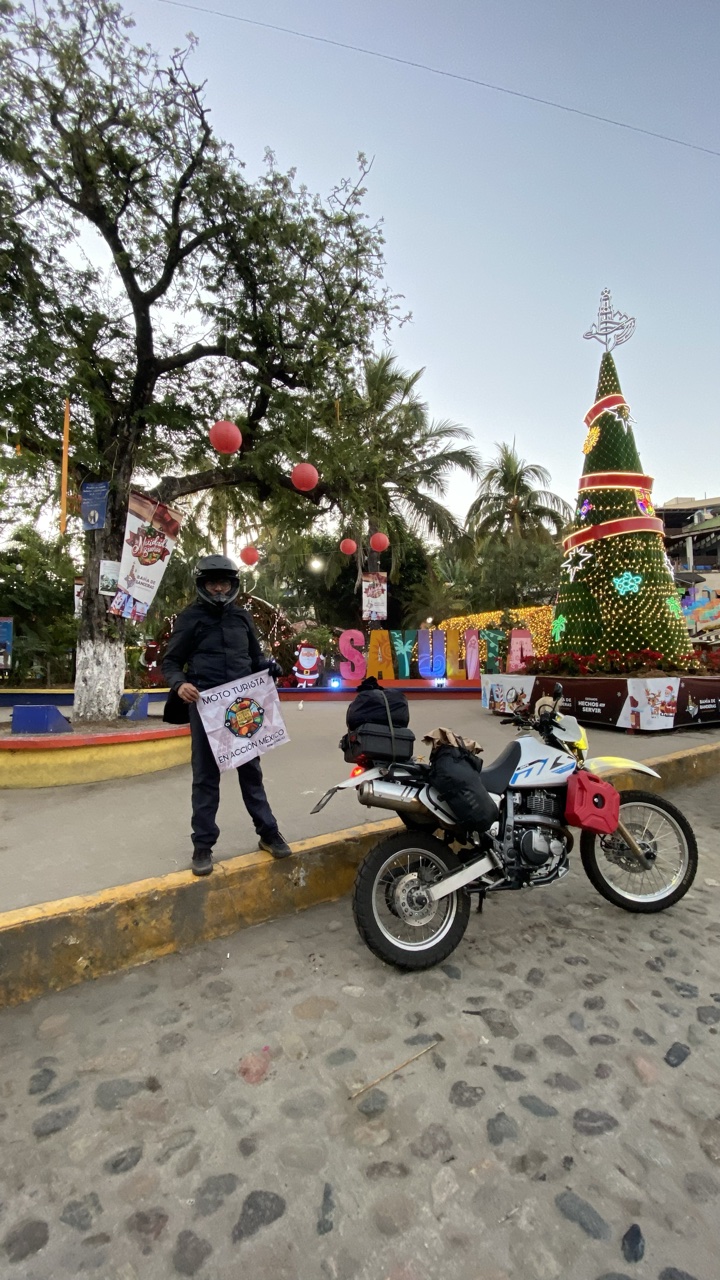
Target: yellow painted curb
x,y
58,944
681,769
71,765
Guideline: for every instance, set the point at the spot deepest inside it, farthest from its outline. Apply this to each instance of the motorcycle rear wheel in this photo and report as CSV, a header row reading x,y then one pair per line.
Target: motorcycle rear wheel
x,y
388,907
662,831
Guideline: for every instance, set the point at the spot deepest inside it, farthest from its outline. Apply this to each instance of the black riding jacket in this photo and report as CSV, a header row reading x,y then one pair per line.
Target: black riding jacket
x,y
212,644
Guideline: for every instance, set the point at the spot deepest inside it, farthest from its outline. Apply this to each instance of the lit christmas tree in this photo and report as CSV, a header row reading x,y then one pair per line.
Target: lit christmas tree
x,y
617,590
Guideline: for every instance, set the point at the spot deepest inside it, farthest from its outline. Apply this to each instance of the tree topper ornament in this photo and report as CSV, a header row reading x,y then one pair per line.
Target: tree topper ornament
x,y
611,327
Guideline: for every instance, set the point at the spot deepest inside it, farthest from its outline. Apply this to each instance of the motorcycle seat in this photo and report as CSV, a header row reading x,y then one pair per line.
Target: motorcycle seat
x,y
496,776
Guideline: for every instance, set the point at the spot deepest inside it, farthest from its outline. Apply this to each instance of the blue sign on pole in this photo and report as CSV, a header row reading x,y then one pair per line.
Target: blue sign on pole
x,y
6,639
93,498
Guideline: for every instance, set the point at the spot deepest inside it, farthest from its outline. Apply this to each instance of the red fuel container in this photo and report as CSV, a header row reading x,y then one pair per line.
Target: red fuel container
x,y
591,803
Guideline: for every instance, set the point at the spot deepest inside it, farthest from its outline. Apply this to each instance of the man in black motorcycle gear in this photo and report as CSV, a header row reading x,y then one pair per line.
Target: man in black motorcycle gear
x,y
214,641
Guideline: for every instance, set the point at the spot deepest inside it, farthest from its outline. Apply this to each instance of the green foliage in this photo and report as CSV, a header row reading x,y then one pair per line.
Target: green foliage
x,y
518,571
205,295
509,501
384,460
36,590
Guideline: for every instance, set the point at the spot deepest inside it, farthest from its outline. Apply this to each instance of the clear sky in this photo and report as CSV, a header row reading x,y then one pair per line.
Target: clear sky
x,y
504,218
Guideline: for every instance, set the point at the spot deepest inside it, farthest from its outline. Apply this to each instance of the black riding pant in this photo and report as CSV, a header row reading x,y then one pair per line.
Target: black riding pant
x,y
206,791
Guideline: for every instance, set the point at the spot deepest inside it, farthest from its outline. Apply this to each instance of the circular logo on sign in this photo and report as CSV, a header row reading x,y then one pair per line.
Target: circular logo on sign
x,y
244,717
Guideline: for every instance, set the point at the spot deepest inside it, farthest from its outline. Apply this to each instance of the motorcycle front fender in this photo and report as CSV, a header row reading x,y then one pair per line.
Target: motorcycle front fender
x,y
602,765
366,776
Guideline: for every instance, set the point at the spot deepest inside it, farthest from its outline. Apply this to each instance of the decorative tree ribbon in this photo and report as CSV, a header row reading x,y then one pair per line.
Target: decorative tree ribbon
x,y
610,529
615,480
604,405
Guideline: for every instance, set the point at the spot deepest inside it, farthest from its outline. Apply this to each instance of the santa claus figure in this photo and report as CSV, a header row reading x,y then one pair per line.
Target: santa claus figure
x,y
308,666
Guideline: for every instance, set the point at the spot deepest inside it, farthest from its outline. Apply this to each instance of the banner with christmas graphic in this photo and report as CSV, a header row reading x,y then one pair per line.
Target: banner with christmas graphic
x,y
374,597
151,531
635,703
242,720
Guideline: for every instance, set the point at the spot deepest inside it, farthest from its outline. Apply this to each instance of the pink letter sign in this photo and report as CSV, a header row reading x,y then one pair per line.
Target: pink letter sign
x,y
351,645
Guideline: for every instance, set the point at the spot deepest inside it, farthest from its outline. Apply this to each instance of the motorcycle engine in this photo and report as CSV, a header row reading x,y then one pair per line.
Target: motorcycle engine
x,y
539,834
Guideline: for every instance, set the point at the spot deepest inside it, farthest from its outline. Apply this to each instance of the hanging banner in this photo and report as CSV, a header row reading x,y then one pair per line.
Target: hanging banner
x,y
79,590
242,720
93,503
6,639
151,530
108,579
374,597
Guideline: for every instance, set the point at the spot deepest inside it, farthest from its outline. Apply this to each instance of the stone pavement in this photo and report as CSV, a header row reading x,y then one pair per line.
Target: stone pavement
x,y
62,841
193,1117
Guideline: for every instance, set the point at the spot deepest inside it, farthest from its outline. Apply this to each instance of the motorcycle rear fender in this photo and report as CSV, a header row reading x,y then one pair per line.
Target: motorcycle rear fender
x,y
602,765
366,776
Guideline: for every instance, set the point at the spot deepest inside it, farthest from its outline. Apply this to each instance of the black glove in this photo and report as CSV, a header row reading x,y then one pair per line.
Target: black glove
x,y
275,669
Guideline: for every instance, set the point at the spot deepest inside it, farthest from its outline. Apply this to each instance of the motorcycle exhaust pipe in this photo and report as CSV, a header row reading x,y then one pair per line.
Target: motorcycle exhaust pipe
x,y
390,795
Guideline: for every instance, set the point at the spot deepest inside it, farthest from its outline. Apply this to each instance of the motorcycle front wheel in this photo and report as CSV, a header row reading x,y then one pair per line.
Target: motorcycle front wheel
x,y
665,837
393,914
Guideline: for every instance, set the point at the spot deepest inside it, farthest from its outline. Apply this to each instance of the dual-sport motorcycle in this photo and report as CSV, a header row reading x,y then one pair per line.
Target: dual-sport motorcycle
x,y
411,899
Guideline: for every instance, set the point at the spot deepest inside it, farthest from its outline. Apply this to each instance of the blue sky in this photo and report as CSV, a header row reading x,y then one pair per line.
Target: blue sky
x,y
503,218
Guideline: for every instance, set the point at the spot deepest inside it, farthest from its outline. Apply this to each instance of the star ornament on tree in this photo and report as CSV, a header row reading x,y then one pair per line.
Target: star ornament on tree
x,y
575,560
628,583
558,627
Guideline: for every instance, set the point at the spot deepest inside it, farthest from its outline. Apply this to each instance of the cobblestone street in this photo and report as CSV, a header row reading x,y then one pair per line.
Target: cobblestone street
x,y
193,1117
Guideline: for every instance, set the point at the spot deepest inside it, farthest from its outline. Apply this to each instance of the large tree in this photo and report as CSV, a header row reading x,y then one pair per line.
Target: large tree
x,y
142,275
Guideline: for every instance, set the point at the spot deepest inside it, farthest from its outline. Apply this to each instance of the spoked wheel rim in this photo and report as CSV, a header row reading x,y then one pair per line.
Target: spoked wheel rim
x,y
661,839
402,911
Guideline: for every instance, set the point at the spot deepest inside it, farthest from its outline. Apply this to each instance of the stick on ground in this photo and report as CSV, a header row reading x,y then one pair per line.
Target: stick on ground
x,y
392,1070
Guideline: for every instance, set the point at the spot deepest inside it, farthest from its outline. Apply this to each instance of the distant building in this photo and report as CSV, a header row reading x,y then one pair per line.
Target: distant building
x,y
692,533
692,540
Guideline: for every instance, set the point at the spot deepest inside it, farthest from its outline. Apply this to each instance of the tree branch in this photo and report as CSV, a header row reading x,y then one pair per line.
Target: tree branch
x,y
170,488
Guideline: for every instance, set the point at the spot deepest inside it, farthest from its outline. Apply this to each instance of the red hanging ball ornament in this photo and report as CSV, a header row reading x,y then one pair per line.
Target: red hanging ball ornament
x,y
250,555
304,476
348,547
379,542
225,437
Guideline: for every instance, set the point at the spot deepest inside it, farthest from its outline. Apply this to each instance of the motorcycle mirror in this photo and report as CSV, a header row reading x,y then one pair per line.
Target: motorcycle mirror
x,y
558,691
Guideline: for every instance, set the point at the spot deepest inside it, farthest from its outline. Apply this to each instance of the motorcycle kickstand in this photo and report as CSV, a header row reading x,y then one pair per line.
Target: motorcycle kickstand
x,y
481,899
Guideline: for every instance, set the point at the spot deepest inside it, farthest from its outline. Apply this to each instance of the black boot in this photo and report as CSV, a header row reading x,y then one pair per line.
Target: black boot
x,y
202,863
276,845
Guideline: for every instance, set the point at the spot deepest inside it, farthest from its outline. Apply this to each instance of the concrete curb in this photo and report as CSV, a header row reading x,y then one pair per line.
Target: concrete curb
x,y
80,758
58,944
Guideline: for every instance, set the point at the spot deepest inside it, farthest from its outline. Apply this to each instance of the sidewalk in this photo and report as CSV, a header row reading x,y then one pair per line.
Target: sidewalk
x,y
194,1118
60,841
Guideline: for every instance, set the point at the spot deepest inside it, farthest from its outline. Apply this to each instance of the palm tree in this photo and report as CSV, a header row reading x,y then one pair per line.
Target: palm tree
x,y
509,501
431,601
387,461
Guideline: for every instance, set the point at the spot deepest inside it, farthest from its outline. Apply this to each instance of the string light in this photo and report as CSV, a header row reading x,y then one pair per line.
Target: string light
x,y
537,619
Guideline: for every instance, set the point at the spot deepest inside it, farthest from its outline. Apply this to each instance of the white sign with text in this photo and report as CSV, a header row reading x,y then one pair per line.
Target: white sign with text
x,y
242,719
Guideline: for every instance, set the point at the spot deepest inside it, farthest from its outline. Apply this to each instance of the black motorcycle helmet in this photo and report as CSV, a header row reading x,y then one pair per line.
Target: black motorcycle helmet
x,y
214,567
